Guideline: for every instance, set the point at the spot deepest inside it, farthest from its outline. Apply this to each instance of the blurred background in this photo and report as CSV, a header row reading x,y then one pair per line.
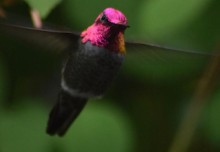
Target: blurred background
x,y
160,101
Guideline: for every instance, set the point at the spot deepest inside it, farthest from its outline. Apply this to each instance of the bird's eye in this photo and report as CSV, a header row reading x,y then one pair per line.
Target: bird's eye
x,y
103,18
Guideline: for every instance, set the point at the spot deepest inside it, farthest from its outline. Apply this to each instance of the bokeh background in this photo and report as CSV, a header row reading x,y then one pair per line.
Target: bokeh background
x,y
157,103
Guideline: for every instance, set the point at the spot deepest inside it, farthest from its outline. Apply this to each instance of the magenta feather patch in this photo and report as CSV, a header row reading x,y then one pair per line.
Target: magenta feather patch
x,y
99,32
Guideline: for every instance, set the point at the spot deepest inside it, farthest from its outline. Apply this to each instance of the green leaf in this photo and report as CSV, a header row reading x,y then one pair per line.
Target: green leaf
x,y
44,7
164,17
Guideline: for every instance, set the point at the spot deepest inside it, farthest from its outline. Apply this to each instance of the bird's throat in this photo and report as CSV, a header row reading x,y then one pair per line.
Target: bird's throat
x,y
104,36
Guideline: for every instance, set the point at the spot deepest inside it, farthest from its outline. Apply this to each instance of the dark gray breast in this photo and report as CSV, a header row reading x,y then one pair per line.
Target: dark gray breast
x,y
90,70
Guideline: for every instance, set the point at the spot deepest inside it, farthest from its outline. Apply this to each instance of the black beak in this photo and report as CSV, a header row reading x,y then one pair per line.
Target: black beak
x,y
125,26
122,26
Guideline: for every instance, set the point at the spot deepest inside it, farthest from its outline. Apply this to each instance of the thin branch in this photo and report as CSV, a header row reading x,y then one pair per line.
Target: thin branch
x,y
36,19
2,13
189,123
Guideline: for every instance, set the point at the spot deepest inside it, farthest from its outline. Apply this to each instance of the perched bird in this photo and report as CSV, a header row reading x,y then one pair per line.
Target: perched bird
x,y
94,59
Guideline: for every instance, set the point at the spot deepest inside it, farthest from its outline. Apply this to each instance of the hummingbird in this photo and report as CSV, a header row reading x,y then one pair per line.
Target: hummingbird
x,y
93,61
90,69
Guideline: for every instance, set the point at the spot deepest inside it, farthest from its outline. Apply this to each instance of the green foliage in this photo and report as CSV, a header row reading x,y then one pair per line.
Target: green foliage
x,y
21,127
165,17
101,127
44,7
3,82
211,121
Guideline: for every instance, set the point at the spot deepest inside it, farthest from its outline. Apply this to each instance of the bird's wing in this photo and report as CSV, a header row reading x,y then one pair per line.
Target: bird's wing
x,y
54,40
36,52
146,60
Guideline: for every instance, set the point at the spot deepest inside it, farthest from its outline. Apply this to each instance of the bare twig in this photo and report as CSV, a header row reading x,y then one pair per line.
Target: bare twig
x,y
189,123
36,18
2,13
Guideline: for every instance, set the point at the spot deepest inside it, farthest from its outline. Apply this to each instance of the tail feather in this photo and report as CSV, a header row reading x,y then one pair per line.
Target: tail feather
x,y
64,113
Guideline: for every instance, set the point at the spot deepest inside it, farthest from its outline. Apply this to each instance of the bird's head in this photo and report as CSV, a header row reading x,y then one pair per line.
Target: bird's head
x,y
107,31
112,18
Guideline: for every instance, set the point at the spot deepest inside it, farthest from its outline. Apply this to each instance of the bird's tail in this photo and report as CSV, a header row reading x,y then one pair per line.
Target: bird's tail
x,y
64,113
